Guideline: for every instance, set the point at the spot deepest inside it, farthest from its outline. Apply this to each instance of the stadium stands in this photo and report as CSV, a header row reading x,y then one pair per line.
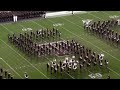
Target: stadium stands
x,y
6,16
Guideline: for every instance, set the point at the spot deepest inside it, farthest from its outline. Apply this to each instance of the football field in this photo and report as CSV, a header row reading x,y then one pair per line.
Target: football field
x,y
71,27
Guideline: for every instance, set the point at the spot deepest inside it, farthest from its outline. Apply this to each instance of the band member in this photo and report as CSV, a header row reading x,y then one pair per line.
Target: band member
x,y
55,70
51,68
100,64
60,63
108,77
6,74
88,64
117,41
106,63
1,77
74,67
48,65
58,66
26,76
1,70
72,13
61,70
81,65
9,75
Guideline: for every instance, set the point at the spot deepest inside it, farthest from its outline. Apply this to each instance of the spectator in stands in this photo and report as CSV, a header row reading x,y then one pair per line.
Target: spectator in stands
x,y
17,15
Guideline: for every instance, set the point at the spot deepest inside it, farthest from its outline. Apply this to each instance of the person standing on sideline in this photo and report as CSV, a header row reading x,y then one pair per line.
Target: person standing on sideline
x,y
26,76
72,13
109,77
44,15
14,18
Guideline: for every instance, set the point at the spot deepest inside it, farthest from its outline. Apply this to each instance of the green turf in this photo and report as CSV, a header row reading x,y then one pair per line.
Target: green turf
x,y
17,62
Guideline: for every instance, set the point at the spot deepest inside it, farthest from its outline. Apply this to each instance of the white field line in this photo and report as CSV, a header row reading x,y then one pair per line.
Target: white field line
x,y
10,67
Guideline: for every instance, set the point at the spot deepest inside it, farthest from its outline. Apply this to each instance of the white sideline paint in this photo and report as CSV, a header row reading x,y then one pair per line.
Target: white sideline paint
x,y
63,13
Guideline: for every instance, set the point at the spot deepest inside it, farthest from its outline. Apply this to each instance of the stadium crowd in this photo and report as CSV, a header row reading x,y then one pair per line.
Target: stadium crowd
x,y
6,16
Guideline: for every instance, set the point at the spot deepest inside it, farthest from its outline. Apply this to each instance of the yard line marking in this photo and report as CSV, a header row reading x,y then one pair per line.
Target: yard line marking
x,y
16,65
11,67
6,29
106,13
38,24
25,60
12,61
114,71
95,16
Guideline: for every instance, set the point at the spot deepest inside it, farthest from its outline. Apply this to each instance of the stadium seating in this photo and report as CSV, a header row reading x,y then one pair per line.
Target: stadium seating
x,y
6,16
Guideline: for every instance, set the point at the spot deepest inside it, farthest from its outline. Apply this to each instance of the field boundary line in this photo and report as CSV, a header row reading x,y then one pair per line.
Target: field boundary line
x,y
11,67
